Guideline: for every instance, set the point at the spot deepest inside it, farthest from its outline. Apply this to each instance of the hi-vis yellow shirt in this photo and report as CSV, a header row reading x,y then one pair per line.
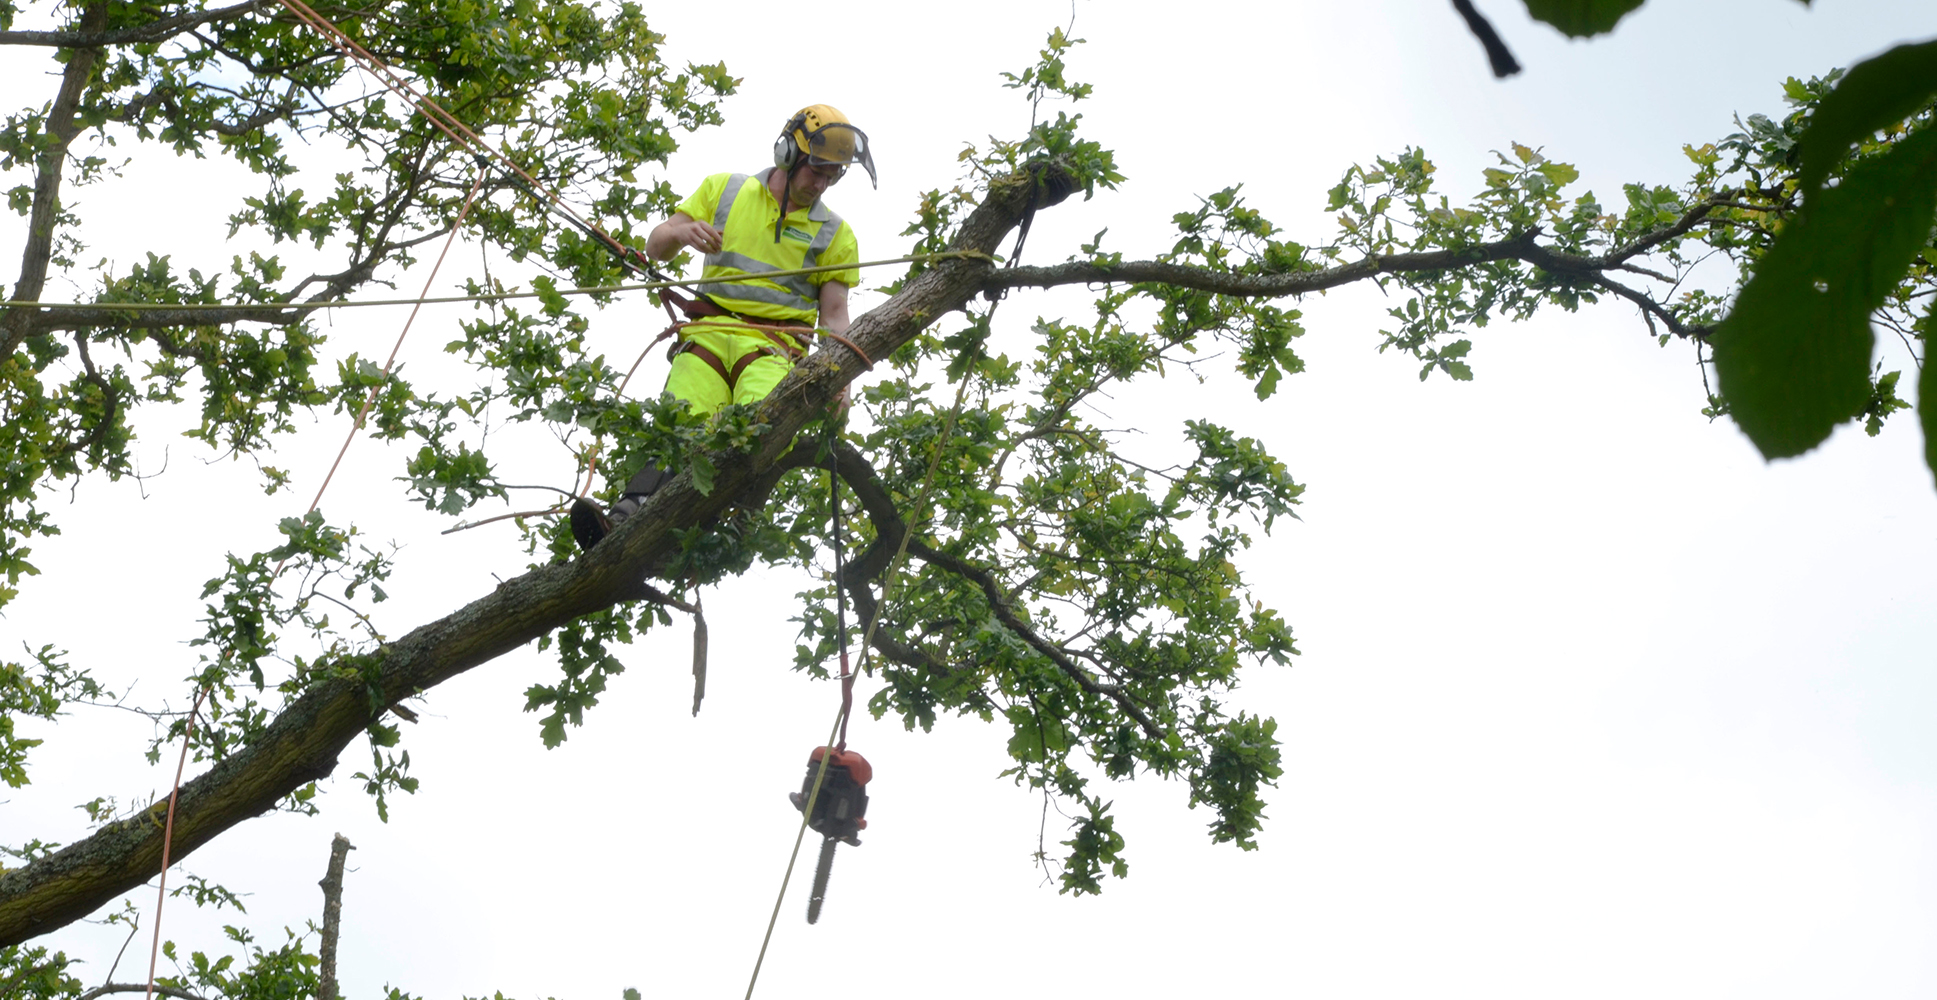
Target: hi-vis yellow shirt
x,y
742,208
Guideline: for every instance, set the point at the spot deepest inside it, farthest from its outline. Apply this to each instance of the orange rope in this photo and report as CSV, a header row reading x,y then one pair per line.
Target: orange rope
x,y
592,457
446,122
390,362
168,840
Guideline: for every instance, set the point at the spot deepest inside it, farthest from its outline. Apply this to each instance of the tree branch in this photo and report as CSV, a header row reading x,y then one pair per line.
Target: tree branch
x,y
861,477
1689,220
1257,285
90,36
1006,614
1651,308
1521,247
66,320
1497,53
160,990
61,126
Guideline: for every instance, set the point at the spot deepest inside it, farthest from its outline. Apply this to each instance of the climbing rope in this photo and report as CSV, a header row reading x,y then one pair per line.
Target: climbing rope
x,y
839,728
168,839
887,592
391,362
168,830
643,286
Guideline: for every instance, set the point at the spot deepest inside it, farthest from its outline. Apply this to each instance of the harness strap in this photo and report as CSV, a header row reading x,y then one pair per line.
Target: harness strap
x,y
712,360
730,376
746,359
702,307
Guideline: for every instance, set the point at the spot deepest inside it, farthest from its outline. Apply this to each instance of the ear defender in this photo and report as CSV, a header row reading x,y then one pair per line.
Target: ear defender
x,y
786,151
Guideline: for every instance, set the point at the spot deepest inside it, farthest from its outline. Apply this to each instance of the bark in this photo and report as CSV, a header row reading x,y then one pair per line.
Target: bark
x,y
303,743
61,126
332,883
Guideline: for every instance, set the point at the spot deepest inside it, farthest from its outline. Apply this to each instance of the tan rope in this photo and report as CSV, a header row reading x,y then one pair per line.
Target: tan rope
x,y
168,839
644,286
887,588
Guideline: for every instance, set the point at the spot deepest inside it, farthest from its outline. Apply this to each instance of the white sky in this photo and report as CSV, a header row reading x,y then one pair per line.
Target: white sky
x,y
1593,702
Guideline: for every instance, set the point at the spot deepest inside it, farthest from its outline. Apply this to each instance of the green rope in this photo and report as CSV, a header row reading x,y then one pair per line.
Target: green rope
x,y
649,286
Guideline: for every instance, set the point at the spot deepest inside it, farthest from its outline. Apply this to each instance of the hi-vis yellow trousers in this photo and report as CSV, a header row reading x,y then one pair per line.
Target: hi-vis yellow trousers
x,y
716,365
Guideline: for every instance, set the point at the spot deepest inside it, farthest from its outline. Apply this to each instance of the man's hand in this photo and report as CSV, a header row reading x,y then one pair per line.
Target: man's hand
x,y
681,230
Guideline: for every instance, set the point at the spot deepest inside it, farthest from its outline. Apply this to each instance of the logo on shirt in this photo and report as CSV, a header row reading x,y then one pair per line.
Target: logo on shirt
x,y
793,233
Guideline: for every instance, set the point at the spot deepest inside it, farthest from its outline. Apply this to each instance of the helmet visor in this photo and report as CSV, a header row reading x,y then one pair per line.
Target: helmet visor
x,y
840,144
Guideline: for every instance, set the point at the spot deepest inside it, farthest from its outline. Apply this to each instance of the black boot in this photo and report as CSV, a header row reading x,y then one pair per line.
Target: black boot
x,y
590,525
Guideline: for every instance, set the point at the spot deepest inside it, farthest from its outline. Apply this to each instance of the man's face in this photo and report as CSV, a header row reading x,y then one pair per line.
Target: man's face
x,y
811,181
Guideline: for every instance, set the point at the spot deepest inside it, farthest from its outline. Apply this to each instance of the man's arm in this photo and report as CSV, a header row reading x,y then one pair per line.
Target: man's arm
x,y
834,318
683,230
834,307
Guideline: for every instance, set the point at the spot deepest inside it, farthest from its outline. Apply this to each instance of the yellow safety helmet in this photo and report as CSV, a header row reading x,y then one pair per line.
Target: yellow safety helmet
x,y
824,136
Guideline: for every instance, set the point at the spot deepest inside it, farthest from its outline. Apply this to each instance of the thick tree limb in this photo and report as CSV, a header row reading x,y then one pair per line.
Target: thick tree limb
x,y
304,741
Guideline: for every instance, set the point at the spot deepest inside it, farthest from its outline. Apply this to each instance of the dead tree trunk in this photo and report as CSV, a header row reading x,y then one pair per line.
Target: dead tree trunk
x,y
332,884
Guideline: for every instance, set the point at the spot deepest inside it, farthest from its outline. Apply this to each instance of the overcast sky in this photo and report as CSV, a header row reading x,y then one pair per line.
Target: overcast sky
x,y
1592,701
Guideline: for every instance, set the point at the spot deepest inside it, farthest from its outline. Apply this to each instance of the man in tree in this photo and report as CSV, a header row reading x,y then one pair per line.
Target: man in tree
x,y
750,332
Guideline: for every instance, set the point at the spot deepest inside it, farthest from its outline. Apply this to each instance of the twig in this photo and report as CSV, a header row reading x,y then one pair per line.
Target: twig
x,y
13,981
133,929
167,991
468,525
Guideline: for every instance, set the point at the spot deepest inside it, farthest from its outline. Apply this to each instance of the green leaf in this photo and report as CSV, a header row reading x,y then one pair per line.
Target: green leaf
x,y
1927,402
701,471
1581,18
1874,94
547,289
1793,357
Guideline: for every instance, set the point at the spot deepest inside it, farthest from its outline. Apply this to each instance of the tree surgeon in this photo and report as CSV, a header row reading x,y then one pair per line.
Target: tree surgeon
x,y
747,334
